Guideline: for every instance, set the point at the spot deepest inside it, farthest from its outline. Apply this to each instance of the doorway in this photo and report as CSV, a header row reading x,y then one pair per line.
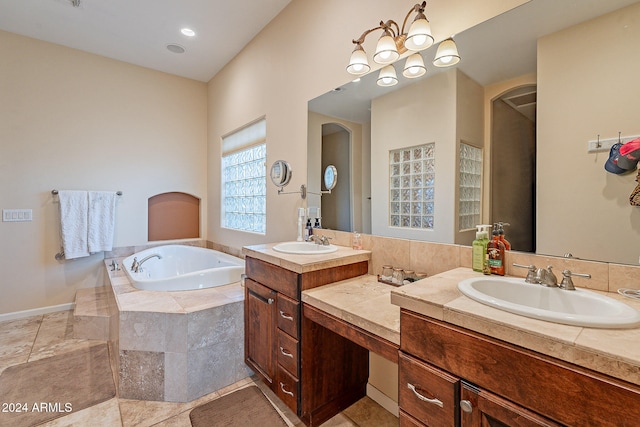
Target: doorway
x,y
337,209
513,165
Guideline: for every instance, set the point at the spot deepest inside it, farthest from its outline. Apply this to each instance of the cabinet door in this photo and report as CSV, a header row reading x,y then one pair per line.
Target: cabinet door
x,y
479,408
260,318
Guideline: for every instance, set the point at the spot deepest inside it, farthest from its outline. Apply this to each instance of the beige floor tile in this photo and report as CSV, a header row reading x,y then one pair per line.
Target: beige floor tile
x,y
55,336
366,412
105,414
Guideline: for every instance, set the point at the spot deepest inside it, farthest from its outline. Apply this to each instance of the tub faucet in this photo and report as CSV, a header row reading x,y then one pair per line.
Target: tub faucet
x,y
136,266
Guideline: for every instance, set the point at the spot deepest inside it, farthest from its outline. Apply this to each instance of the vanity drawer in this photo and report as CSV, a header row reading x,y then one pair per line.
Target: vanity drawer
x,y
427,393
288,315
287,352
288,388
273,276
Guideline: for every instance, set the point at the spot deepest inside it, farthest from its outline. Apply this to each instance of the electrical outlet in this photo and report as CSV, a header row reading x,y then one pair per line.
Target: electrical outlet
x,y
17,215
598,145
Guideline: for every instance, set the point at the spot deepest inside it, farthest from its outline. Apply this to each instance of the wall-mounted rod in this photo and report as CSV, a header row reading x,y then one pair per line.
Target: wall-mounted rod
x,y
54,192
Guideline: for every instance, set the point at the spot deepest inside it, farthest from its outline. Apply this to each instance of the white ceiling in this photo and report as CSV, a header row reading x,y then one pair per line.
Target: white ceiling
x,y
138,31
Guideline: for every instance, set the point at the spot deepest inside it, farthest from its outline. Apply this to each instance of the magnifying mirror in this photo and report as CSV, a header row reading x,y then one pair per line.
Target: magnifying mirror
x,y
330,177
280,173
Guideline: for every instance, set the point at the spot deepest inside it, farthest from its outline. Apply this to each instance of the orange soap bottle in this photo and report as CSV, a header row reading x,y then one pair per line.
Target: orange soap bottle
x,y
496,252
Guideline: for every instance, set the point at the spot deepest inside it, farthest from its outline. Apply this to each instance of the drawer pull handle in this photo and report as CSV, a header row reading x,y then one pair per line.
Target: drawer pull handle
x,y
285,352
466,406
424,399
285,315
285,391
261,298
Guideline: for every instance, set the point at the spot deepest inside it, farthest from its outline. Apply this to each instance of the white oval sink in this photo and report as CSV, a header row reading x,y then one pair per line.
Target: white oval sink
x,y
578,308
304,248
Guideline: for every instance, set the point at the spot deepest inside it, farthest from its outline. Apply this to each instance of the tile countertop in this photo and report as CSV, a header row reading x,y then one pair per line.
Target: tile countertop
x,y
361,301
615,352
306,263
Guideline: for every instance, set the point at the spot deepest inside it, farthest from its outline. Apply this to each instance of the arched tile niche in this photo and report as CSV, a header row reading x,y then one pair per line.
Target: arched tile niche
x,y
173,215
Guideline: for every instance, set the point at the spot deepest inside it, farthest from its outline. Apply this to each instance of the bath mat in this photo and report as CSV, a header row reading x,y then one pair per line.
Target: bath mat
x,y
245,407
39,391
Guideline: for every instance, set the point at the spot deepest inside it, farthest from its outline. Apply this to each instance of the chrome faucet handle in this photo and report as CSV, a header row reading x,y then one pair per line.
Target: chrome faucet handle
x,y
134,265
567,283
325,240
531,273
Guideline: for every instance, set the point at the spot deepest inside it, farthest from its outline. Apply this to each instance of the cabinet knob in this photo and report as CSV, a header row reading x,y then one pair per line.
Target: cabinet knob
x,y
423,398
466,406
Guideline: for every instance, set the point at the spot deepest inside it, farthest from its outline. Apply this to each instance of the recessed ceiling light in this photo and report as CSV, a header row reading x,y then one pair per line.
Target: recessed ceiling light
x,y
175,48
188,32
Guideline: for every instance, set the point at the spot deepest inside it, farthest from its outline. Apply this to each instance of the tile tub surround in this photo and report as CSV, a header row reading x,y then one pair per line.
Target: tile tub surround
x,y
175,346
615,352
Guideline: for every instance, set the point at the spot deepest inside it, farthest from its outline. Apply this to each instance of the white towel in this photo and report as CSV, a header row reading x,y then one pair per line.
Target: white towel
x,y
101,223
74,223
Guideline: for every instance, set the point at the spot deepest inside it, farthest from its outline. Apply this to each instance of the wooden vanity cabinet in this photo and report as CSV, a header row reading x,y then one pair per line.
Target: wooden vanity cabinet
x,y
501,384
314,371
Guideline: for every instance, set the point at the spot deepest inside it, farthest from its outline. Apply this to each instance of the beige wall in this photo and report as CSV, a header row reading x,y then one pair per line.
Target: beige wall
x,y
587,86
72,120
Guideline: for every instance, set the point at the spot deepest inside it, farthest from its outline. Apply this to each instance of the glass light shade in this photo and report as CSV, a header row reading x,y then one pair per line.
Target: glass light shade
x,y
419,36
358,63
386,50
447,54
387,76
414,67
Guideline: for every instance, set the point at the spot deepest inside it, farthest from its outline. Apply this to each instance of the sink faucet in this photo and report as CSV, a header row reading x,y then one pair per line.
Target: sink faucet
x,y
136,266
320,240
546,277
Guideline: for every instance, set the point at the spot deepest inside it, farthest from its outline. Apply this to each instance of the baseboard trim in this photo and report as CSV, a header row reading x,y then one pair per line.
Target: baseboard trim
x,y
383,400
35,312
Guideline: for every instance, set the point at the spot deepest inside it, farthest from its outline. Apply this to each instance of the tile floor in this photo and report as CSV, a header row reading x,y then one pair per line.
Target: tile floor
x,y
33,338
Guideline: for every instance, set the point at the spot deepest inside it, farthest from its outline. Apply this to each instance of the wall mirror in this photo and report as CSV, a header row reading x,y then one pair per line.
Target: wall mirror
x,y
503,49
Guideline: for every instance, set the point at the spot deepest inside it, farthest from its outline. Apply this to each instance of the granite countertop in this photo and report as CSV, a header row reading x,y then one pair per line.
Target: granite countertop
x,y
306,263
361,301
615,352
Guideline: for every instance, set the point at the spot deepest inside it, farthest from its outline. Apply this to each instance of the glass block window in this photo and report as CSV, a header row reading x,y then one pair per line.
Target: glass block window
x,y
244,182
412,181
470,186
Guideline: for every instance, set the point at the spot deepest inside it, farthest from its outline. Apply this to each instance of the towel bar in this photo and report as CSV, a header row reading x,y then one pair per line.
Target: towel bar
x,y
54,192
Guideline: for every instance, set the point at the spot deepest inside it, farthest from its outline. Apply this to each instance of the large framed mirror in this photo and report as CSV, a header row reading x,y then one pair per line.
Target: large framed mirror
x,y
534,85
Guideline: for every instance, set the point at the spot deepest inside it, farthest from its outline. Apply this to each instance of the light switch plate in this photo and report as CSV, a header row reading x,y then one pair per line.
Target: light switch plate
x,y
17,215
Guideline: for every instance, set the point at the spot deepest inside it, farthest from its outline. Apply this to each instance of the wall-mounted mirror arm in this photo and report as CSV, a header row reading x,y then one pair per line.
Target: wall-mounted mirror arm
x,y
302,192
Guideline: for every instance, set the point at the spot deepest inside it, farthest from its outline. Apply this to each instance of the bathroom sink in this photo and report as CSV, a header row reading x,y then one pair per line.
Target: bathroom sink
x,y
304,248
578,308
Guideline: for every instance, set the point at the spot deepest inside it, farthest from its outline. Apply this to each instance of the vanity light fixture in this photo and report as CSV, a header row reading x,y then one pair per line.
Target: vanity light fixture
x,y
395,42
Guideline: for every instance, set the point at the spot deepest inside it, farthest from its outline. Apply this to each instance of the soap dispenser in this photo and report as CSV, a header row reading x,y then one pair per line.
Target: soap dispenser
x,y
496,252
479,248
501,225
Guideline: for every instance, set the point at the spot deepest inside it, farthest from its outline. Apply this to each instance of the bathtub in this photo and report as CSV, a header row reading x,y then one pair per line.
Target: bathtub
x,y
183,268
